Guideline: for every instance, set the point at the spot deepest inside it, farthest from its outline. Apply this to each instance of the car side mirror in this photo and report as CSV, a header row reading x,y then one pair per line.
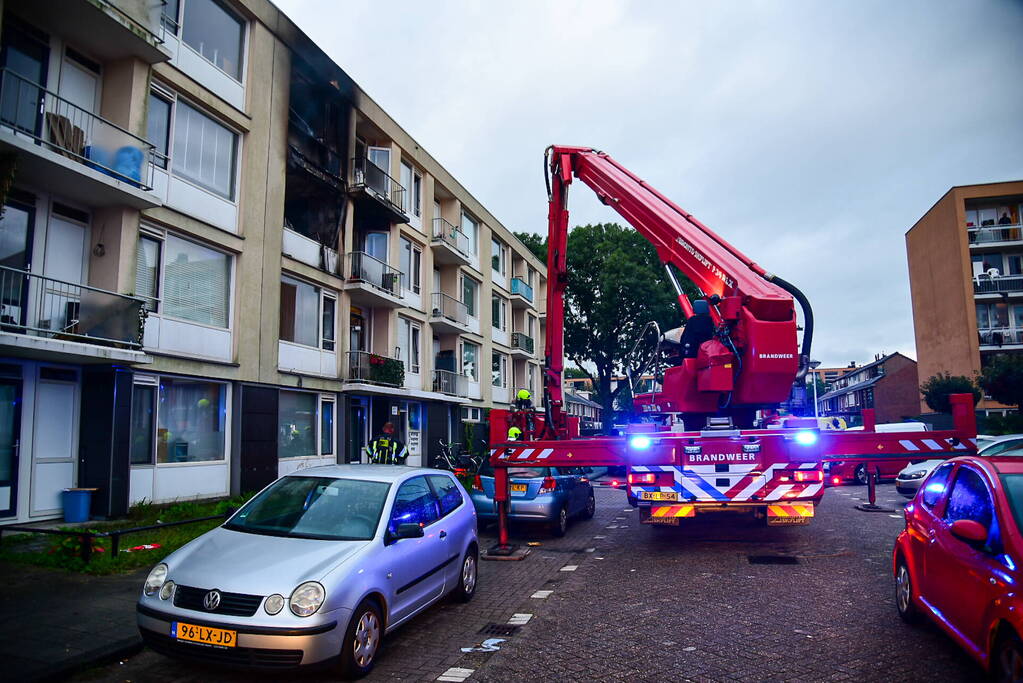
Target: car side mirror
x,y
969,531
409,530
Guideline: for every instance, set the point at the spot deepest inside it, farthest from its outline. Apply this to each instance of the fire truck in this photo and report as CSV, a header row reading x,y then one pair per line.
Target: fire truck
x,y
696,446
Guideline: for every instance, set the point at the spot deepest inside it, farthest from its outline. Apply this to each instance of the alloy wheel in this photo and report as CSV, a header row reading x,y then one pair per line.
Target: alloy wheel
x,y
469,574
367,638
903,589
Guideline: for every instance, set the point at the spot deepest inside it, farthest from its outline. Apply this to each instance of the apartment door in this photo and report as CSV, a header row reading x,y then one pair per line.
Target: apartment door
x,y
10,440
63,262
79,83
54,437
16,235
358,419
26,55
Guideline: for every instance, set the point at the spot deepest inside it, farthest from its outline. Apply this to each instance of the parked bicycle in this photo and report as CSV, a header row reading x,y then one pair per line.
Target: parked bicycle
x,y
452,459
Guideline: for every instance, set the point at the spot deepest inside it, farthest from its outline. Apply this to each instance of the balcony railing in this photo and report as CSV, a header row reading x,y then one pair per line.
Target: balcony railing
x,y
449,233
365,268
521,341
451,383
368,175
519,286
78,134
43,307
364,366
996,285
1000,336
995,233
449,307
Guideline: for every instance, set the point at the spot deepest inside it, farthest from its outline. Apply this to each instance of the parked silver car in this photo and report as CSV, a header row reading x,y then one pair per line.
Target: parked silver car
x,y
909,479
319,565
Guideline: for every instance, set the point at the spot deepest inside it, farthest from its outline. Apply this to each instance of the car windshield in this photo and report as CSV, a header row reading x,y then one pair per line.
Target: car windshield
x,y
315,507
1013,485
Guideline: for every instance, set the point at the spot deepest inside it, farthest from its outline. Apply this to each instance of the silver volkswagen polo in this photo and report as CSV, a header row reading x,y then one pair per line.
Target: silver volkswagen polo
x,y
317,566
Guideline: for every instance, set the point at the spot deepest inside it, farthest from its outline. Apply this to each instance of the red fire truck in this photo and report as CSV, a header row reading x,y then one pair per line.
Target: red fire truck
x,y
696,446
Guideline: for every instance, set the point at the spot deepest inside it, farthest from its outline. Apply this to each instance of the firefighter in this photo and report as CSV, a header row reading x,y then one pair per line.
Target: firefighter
x,y
387,449
523,400
514,433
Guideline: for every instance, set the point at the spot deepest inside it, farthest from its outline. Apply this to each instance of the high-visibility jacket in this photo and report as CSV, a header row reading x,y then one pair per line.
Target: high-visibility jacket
x,y
387,450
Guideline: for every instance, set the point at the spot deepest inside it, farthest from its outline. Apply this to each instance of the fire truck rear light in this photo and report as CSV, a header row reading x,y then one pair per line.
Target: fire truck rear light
x,y
836,480
648,478
692,450
548,485
751,448
809,475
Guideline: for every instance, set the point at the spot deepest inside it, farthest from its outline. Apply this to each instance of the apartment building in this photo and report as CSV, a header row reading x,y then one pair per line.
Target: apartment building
x,y
889,384
828,375
222,261
966,278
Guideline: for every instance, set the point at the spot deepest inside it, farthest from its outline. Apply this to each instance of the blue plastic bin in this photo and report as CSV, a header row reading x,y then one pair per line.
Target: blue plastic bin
x,y
76,504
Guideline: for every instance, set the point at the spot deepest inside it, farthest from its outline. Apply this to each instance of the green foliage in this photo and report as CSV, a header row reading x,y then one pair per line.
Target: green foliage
x,y
1002,379
937,388
384,370
535,243
996,425
576,373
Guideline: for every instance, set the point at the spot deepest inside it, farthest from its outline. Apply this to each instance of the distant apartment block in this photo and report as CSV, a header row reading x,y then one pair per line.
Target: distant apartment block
x,y
889,384
966,278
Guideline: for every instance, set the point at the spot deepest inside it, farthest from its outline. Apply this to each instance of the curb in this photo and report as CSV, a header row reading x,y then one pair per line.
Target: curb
x,y
126,647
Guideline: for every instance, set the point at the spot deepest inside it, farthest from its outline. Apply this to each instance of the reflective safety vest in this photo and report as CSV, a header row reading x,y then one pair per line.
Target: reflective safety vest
x,y
523,395
386,450
514,434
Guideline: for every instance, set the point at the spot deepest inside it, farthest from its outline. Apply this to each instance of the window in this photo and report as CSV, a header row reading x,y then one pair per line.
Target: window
x,y
470,361
530,326
326,425
969,498
307,314
216,33
143,423
411,265
498,259
147,270
296,424
191,419
417,194
471,414
498,312
414,503
158,118
499,370
447,493
412,181
531,378
934,487
470,295
471,229
408,343
204,151
196,283
992,315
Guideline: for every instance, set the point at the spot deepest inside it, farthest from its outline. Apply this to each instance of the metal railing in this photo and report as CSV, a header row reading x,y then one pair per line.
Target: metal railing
x,y
451,383
519,340
1000,336
366,174
519,286
983,284
64,127
45,307
994,233
365,268
156,14
364,366
449,307
449,234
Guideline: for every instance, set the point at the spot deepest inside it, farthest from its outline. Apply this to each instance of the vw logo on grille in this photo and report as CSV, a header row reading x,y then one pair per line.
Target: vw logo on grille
x,y
212,600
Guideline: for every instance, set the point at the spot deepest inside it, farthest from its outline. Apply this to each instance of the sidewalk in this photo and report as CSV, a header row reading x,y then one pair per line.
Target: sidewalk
x,y
53,623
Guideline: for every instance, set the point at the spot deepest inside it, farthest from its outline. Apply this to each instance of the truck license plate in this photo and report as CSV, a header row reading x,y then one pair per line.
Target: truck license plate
x,y
204,634
669,521
658,495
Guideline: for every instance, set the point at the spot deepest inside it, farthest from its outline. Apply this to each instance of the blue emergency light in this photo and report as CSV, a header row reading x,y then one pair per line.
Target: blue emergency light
x,y
806,438
640,442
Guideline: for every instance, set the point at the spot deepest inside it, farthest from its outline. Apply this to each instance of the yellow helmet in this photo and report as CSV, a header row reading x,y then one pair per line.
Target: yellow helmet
x,y
514,432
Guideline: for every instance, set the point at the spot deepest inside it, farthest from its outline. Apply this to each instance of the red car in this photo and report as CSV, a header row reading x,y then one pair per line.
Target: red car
x,y
959,559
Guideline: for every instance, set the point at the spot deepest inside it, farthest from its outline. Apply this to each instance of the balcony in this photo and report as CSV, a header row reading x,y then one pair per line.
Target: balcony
x,y
994,234
998,337
109,30
1003,284
372,368
521,345
372,282
448,315
522,293
377,196
71,151
46,318
450,244
450,383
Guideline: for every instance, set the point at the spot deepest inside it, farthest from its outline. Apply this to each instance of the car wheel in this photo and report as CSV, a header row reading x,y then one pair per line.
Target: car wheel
x,y
904,594
861,474
591,507
560,527
1007,662
468,576
362,640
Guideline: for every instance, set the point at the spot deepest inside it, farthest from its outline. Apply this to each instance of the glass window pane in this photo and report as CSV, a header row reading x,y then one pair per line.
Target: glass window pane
x,y
472,231
934,487
406,182
147,271
191,421
329,306
447,493
196,282
204,151
215,33
469,288
327,428
142,424
414,504
969,499
158,127
470,355
296,432
300,312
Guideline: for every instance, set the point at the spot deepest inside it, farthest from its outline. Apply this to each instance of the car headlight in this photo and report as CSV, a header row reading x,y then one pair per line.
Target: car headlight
x,y
167,591
306,599
154,581
920,474
274,604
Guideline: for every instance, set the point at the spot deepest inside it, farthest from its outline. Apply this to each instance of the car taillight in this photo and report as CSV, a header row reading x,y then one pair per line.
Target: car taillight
x,y
548,485
477,483
836,480
809,475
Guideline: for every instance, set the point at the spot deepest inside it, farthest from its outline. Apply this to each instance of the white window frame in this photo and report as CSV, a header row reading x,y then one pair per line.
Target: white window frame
x,y
154,380
324,400
475,313
324,296
412,284
502,382
502,322
179,31
472,235
502,256
409,329
461,360
413,201
471,414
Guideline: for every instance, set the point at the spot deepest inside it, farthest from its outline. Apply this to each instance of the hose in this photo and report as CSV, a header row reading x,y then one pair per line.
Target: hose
x,y
804,303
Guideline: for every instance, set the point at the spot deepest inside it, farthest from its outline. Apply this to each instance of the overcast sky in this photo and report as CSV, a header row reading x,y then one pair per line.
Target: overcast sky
x,y
809,134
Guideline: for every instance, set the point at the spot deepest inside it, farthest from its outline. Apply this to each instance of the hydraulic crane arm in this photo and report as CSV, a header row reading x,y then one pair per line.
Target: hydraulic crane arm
x,y
754,309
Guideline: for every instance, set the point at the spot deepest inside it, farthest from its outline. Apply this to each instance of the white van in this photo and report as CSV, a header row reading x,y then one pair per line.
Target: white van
x,y
896,427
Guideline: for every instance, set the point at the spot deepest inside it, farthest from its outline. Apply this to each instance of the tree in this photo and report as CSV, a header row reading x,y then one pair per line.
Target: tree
x,y
1002,379
938,387
535,243
575,373
615,286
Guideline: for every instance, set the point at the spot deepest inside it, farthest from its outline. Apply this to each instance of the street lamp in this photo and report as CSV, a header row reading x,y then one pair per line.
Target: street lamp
x,y
814,364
